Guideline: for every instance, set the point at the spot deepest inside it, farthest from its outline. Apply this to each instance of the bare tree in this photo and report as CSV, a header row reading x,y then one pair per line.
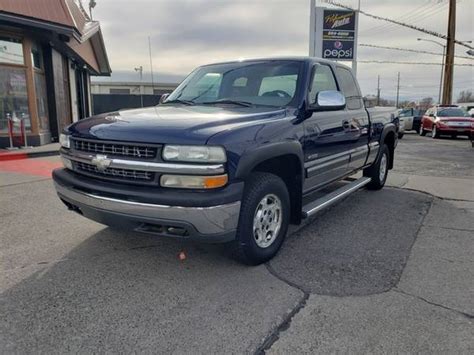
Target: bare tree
x,y
466,96
426,103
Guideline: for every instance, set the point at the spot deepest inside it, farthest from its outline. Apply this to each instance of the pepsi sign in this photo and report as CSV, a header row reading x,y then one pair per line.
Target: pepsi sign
x,y
338,34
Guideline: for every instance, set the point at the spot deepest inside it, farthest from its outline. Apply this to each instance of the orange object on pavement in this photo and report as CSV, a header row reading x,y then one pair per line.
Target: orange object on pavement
x,y
38,167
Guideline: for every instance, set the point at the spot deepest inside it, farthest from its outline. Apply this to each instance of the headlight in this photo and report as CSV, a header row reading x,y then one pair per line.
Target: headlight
x,y
194,153
67,163
64,140
193,182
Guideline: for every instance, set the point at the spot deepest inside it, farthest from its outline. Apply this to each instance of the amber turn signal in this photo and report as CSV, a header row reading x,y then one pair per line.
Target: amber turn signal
x,y
194,182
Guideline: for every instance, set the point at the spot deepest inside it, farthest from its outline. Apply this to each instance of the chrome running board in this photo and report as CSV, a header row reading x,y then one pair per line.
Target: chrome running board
x,y
331,198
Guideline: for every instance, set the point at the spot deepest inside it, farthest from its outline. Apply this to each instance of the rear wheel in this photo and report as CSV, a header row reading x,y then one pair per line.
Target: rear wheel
x,y
264,219
421,131
400,135
379,170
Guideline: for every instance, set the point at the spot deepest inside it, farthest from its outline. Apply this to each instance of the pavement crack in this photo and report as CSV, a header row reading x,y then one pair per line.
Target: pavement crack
x,y
274,335
464,314
26,182
453,229
417,233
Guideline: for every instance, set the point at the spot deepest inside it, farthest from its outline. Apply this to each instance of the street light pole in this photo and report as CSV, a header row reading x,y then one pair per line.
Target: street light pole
x,y
442,64
441,76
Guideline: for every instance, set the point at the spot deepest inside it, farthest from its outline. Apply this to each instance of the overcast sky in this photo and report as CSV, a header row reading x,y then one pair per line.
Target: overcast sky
x,y
187,33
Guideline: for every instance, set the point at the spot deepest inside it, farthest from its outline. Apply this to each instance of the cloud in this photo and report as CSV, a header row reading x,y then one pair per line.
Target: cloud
x,y
188,33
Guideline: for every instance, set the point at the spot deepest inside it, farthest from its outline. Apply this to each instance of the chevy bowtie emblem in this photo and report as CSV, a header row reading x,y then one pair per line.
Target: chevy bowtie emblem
x,y
101,162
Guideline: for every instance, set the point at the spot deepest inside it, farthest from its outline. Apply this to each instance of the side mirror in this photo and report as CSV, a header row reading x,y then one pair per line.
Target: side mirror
x,y
163,98
329,100
431,115
472,115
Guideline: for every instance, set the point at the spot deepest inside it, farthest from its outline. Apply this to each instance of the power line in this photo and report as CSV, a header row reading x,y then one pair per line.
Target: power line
x,y
413,27
409,50
411,63
423,9
428,15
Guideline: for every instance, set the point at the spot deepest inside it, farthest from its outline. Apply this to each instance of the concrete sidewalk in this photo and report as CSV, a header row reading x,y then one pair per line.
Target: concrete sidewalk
x,y
32,152
442,187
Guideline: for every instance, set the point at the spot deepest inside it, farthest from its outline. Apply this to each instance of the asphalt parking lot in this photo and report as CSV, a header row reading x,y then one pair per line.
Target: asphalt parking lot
x,y
385,271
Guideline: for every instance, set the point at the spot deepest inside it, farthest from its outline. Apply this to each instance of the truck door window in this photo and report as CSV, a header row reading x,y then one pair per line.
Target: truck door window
x,y
349,88
406,113
323,80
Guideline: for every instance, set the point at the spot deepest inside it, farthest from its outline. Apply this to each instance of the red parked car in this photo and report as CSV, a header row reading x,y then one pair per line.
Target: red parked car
x,y
447,120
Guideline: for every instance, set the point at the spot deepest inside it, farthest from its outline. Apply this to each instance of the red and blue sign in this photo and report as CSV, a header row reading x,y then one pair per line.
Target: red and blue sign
x,y
339,34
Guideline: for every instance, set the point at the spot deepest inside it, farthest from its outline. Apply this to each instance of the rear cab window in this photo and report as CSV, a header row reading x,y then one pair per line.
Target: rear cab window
x,y
349,88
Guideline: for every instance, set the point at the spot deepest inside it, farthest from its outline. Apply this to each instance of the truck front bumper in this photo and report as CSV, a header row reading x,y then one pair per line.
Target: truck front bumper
x,y
214,224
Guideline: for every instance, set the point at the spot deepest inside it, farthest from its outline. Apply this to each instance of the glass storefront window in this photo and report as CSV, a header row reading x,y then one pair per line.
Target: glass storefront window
x,y
11,51
41,100
37,56
13,98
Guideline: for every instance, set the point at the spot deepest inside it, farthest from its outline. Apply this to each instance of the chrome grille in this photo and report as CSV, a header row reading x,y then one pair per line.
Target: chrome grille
x,y
117,149
114,173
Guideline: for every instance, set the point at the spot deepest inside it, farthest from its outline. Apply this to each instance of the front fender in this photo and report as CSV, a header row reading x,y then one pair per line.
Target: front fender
x,y
251,158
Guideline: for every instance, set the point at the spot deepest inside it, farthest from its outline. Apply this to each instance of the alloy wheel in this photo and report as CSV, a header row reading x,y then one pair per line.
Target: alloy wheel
x,y
267,220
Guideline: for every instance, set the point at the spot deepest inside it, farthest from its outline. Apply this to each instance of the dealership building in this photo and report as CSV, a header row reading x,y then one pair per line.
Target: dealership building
x,y
48,51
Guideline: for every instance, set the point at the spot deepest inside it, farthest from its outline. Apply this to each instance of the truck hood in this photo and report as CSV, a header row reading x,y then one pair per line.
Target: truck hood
x,y
170,123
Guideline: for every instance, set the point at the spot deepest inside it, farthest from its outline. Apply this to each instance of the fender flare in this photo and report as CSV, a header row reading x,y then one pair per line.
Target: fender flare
x,y
388,128
251,158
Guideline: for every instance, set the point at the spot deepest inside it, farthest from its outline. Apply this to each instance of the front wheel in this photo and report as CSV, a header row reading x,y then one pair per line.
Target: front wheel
x,y
264,219
434,132
379,170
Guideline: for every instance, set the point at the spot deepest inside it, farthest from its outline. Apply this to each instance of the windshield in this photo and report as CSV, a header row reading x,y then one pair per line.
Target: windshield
x,y
269,83
452,112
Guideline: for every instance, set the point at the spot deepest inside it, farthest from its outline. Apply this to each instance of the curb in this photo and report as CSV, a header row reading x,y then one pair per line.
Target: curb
x,y
27,155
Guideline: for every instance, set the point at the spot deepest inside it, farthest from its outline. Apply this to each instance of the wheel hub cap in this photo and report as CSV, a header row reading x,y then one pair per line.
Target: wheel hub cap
x,y
383,167
267,220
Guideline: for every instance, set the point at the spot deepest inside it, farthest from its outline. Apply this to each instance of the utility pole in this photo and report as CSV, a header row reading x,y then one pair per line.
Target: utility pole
x,y
378,90
398,88
140,71
449,60
151,67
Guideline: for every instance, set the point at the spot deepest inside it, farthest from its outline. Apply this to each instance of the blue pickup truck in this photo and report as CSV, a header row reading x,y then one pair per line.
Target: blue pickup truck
x,y
234,154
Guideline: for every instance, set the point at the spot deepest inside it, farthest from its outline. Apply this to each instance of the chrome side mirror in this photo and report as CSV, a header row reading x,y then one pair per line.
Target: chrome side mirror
x,y
328,101
163,98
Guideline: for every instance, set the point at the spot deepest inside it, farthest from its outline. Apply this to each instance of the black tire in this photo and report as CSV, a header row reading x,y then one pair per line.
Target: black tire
x,y
400,135
454,136
421,131
374,172
257,187
434,132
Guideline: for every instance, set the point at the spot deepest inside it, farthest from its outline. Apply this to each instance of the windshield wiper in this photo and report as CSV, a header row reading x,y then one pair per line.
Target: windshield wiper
x,y
228,101
179,101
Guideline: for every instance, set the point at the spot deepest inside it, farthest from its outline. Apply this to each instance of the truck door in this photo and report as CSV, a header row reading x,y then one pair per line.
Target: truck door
x,y
357,118
327,141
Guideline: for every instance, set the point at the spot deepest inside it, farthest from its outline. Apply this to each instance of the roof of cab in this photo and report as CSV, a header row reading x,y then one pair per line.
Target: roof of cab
x,y
305,59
